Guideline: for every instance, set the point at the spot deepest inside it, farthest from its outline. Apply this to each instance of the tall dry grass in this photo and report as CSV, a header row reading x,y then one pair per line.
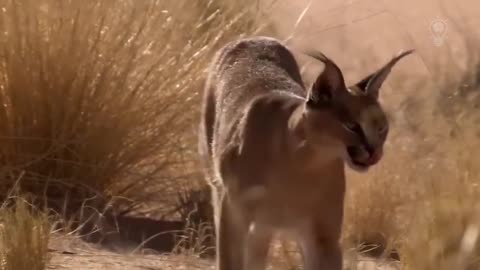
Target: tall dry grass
x,y
100,98
24,237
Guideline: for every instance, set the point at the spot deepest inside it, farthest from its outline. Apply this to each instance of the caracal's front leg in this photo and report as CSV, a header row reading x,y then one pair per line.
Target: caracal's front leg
x,y
320,249
257,247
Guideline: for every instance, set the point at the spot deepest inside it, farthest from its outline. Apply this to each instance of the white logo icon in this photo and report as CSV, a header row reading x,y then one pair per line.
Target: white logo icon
x,y
439,29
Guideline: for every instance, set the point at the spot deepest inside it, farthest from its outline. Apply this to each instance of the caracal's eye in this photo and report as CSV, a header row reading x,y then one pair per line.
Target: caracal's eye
x,y
353,127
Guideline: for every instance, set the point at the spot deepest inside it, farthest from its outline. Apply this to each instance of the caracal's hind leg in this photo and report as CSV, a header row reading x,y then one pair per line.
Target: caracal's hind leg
x,y
321,250
231,236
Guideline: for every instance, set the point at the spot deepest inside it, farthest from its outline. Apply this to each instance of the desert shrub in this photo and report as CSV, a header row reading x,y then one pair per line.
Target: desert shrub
x,y
444,235
100,98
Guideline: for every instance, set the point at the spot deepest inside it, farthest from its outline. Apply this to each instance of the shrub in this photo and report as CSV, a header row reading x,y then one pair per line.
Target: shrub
x,y
100,98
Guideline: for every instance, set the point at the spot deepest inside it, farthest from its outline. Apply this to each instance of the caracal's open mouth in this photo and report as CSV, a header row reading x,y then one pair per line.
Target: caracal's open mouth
x,y
363,156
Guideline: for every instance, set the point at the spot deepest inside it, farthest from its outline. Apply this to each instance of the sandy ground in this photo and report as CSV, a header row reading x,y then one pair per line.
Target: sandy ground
x,y
72,253
359,35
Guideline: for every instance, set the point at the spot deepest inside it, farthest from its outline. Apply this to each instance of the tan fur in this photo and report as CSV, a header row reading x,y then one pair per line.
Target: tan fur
x,y
274,152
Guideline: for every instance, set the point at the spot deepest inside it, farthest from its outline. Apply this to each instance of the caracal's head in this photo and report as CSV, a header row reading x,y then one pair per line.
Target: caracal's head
x,y
348,119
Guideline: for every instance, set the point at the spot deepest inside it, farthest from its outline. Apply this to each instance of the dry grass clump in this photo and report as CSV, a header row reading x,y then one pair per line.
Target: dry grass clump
x,y
24,237
193,205
99,98
197,239
445,236
444,227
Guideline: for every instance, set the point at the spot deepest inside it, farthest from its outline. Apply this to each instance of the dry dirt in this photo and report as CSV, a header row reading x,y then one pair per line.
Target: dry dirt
x,y
354,33
72,253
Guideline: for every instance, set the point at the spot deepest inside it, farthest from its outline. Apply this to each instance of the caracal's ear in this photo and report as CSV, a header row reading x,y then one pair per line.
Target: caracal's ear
x,y
371,84
328,83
